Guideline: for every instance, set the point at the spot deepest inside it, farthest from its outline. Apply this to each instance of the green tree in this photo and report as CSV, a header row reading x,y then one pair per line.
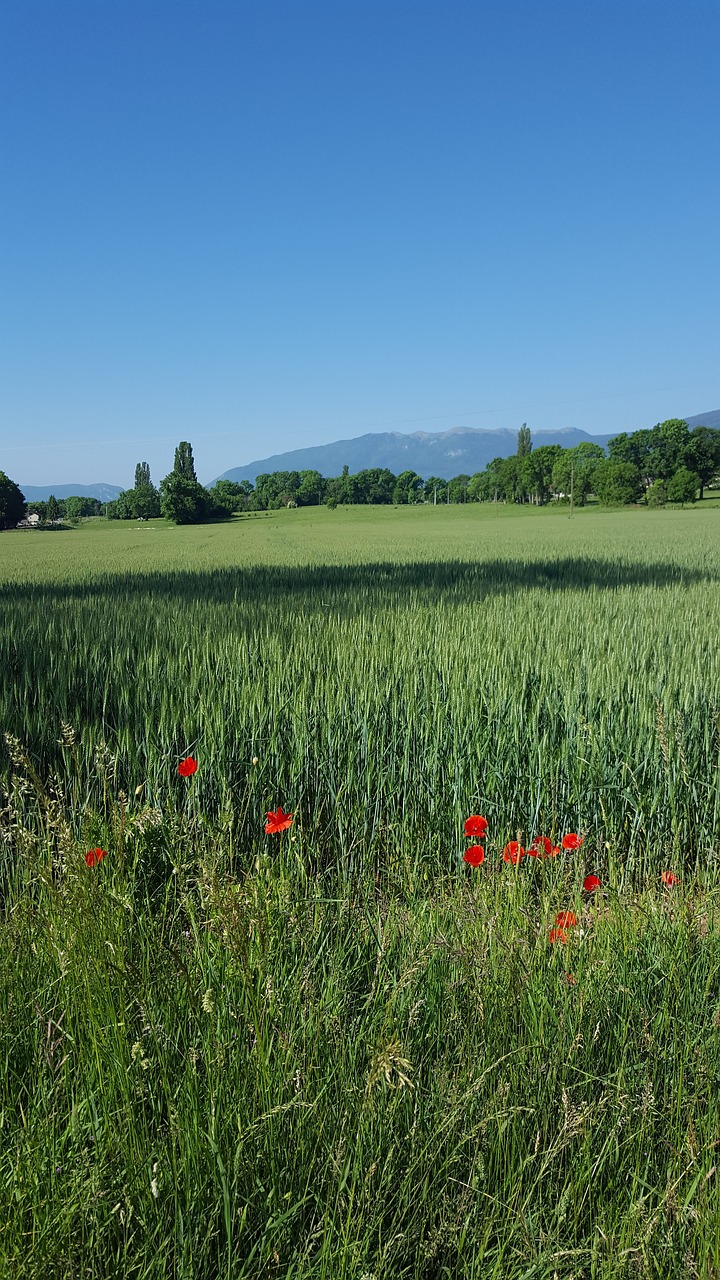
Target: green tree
x,y
182,499
227,497
408,487
683,486
311,489
668,448
143,502
52,511
703,454
575,468
12,503
657,494
536,470
374,485
458,488
524,442
276,489
617,483
435,489
184,464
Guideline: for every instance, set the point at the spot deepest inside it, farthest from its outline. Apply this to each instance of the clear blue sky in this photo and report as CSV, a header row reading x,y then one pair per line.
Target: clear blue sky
x,y
261,226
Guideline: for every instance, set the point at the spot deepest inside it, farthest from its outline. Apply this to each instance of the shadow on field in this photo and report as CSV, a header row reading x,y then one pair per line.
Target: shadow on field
x,y
324,586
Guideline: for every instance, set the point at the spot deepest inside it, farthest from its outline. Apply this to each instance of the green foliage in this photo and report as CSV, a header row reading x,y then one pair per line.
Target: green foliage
x,y
12,503
657,494
184,465
52,510
617,483
182,499
142,476
524,443
408,488
683,486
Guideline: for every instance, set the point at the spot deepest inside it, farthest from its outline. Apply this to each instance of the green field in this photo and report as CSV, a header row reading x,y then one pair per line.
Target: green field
x,y
338,1052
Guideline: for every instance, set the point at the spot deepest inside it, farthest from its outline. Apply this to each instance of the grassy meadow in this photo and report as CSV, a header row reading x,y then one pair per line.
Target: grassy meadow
x,y
338,1052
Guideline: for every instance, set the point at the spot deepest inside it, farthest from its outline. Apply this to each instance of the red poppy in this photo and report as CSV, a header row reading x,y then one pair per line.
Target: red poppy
x,y
669,878
93,856
570,979
475,855
591,883
541,847
571,841
513,852
566,919
558,935
475,825
187,767
277,821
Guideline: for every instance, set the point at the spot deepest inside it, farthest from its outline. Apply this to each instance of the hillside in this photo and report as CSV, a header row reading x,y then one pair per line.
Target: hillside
x,y
441,453
41,492
444,453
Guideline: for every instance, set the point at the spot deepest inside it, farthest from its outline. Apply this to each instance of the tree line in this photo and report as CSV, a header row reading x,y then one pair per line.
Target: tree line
x,y
667,463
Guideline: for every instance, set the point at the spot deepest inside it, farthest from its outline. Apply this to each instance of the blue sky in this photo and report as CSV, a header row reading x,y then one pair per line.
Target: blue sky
x,y
261,226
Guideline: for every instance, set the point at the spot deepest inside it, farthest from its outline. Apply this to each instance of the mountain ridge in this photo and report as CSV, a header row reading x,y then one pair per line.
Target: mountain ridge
x,y
398,447
426,452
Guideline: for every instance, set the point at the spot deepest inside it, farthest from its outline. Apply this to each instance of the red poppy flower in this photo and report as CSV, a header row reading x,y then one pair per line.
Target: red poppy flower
x,y
669,878
475,825
591,883
513,852
566,919
277,821
558,935
570,979
540,847
475,855
571,841
187,767
93,856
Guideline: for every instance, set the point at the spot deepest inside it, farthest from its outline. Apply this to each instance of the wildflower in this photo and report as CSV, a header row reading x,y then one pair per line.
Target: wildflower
x,y
558,935
591,883
187,767
669,878
93,856
475,825
277,821
566,919
475,855
540,846
513,852
570,979
572,841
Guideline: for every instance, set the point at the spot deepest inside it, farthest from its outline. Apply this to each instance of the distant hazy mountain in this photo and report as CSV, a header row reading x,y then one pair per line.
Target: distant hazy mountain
x,y
444,453
711,419
41,493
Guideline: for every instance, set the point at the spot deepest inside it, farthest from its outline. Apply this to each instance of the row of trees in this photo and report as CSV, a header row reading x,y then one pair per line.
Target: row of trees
x,y
668,463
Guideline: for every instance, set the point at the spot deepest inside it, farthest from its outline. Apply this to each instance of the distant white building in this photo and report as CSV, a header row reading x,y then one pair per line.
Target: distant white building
x,y
30,522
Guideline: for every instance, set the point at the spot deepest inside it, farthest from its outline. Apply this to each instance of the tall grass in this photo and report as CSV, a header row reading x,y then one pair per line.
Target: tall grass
x,y
338,1053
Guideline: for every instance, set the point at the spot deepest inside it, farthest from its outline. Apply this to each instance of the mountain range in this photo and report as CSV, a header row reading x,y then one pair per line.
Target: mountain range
x,y
442,453
41,492
462,450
